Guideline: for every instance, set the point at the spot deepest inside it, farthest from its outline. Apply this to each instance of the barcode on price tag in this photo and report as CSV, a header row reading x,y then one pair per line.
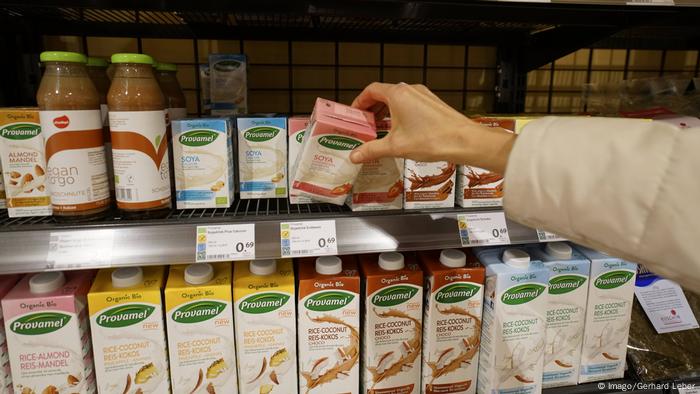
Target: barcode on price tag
x,y
225,243
73,249
484,228
546,236
312,238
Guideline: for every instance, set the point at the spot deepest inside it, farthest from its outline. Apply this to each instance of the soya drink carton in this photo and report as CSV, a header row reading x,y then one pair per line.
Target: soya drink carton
x,y
329,325
48,333
297,127
263,294
608,316
514,316
392,324
128,332
454,284
262,156
7,282
199,315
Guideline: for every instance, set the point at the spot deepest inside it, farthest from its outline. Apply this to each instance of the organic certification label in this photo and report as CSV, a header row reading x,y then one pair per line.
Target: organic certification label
x,y
482,229
73,249
312,238
546,236
225,243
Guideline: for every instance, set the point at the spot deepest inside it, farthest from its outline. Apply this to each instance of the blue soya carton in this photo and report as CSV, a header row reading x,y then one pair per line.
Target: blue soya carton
x,y
513,330
262,156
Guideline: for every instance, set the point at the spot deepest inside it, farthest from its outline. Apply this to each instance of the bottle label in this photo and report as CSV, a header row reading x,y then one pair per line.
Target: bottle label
x,y
76,171
140,154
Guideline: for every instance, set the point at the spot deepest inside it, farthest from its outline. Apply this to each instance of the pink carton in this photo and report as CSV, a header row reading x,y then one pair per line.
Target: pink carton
x,y
323,171
48,333
7,282
297,127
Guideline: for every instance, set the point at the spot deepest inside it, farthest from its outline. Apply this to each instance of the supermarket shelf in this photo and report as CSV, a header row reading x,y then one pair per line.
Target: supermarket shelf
x,y
25,242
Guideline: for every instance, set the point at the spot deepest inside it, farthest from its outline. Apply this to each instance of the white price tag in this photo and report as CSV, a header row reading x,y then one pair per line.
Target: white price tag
x,y
484,228
687,388
546,236
313,238
225,243
650,2
74,249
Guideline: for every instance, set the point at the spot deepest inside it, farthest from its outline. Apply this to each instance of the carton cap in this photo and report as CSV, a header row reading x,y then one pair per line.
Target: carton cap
x,y
46,282
516,258
391,261
263,267
329,265
453,258
127,277
559,250
197,274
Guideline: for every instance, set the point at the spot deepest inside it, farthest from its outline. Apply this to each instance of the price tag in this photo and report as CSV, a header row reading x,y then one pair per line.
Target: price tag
x,y
225,243
314,238
546,236
650,2
484,228
73,249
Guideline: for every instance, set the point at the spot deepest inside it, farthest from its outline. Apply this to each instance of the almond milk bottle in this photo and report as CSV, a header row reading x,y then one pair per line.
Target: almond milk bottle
x,y
329,324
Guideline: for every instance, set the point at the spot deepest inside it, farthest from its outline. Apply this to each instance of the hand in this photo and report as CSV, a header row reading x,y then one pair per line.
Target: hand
x,y
424,128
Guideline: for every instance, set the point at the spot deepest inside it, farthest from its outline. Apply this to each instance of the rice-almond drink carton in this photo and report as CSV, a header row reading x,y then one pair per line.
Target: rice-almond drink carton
x,y
392,324
7,282
454,282
329,325
199,316
128,331
265,314
48,333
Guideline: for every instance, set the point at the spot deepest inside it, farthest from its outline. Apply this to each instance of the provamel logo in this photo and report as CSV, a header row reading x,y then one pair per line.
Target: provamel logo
x,y
263,303
394,295
328,301
124,315
613,279
260,134
563,284
198,311
39,323
198,137
20,131
522,294
456,292
337,142
300,136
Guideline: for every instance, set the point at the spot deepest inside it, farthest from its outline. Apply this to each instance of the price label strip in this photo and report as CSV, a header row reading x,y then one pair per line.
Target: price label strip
x,y
309,238
483,229
74,249
546,236
225,243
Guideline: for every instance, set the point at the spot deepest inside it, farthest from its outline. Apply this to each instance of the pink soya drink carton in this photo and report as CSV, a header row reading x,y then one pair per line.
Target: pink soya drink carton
x,y
297,127
7,282
323,171
48,333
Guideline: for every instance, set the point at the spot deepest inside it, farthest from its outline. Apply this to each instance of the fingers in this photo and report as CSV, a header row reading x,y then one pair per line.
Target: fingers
x,y
371,150
375,93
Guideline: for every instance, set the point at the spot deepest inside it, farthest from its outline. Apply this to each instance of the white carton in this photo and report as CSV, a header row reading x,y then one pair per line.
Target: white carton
x,y
297,127
429,185
608,316
513,331
262,157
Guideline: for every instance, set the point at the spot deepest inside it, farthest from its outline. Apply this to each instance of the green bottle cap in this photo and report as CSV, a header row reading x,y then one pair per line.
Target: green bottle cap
x,y
166,67
132,58
60,56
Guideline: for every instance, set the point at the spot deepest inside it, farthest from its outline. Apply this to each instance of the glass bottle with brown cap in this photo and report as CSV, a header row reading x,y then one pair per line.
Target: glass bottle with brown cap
x,y
139,141
166,74
97,70
69,110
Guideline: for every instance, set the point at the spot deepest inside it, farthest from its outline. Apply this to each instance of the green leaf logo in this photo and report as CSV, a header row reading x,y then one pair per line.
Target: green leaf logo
x,y
198,311
263,303
198,137
394,295
20,131
39,323
563,284
522,294
124,315
456,292
337,142
613,279
330,300
260,134
300,136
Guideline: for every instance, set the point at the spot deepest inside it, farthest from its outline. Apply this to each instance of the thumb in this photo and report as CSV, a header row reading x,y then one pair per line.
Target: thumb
x,y
371,150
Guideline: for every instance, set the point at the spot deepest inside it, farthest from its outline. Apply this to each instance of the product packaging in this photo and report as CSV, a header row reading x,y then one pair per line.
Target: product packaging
x,y
203,152
23,163
128,332
262,156
608,316
199,316
3,203
379,186
454,282
323,171
7,282
265,314
329,324
297,127
514,322
392,324
429,185
228,84
48,333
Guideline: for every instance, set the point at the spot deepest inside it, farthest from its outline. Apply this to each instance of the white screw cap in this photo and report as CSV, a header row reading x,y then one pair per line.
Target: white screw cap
x,y
46,282
516,258
198,274
127,277
453,258
391,261
263,267
329,265
559,250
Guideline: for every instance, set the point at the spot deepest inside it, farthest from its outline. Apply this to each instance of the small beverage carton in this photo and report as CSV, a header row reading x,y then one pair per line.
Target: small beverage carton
x,y
228,84
392,324
297,128
454,282
128,332
265,314
379,186
323,171
203,162
429,185
3,203
262,157
23,163
514,317
608,316
199,316
48,333
329,325
7,282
